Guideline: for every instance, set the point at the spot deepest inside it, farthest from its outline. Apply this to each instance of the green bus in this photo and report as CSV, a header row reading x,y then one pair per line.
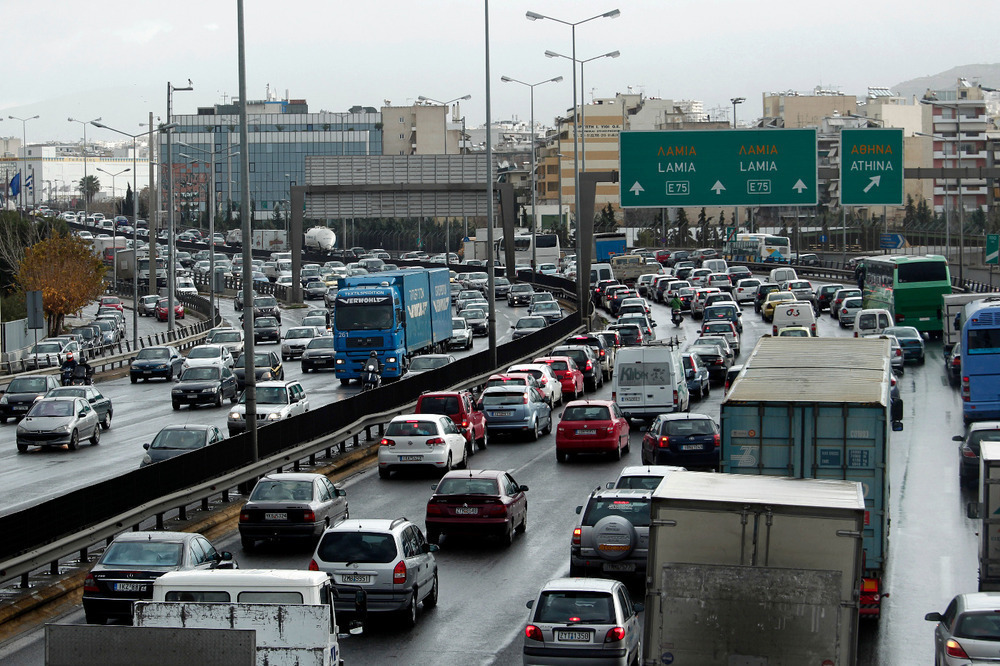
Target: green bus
x,y
910,287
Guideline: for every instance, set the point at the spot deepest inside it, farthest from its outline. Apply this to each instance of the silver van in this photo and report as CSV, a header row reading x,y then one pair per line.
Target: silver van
x,y
649,381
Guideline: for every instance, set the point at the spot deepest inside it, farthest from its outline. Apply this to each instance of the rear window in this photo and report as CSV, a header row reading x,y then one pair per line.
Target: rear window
x,y
28,385
143,553
979,626
439,405
981,341
460,486
411,429
199,596
635,510
685,427
494,399
922,272
639,482
571,607
357,547
587,413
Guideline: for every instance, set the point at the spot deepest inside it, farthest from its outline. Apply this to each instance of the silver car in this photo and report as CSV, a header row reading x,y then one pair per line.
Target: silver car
x,y
583,621
848,310
461,333
58,421
968,631
617,517
291,506
296,340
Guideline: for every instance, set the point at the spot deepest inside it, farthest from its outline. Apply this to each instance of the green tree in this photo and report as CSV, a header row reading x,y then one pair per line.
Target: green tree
x,y
89,186
605,220
683,238
925,215
703,221
128,202
910,212
66,271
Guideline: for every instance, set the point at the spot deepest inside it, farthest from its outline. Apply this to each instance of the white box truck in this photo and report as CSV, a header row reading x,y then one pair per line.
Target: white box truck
x,y
649,380
753,570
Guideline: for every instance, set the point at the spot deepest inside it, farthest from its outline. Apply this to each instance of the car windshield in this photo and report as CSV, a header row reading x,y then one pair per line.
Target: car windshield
x,y
344,546
573,607
314,321
28,385
282,490
265,322
546,307
558,365
439,404
903,331
87,333
472,314
227,336
586,413
530,322
521,289
412,428
142,553
718,327
47,348
685,427
503,398
467,486
300,333
634,509
200,374
426,363
205,352
269,395
52,408
152,354
477,276
179,439
321,343
265,302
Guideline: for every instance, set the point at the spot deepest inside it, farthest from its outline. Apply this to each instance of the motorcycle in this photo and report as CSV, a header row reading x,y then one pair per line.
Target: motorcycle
x,y
676,317
370,381
67,376
82,375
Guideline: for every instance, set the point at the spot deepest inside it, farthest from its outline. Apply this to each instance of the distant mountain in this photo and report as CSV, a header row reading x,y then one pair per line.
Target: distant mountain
x,y
984,74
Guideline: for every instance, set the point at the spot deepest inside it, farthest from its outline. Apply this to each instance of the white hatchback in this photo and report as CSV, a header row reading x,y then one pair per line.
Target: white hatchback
x,y
548,383
421,440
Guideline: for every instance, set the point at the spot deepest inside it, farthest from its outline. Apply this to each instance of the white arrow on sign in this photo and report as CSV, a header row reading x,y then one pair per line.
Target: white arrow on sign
x,y
635,189
718,187
875,180
799,186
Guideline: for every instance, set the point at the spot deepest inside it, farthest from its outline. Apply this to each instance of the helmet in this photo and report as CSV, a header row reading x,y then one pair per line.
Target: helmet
x,y
373,355
69,356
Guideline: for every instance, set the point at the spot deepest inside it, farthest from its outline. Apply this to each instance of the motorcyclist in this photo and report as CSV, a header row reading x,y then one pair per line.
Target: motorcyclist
x,y
372,370
675,303
83,371
68,366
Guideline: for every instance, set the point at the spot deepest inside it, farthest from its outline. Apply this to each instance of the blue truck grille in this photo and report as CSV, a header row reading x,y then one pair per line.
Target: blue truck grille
x,y
365,343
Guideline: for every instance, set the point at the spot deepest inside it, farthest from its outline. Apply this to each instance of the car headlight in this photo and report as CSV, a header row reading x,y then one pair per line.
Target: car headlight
x,y
390,359
266,375
176,391
62,428
146,459
274,416
338,361
3,400
211,389
235,416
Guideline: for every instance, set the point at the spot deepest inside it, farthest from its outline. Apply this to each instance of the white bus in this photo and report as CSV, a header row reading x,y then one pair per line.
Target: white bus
x,y
546,248
768,247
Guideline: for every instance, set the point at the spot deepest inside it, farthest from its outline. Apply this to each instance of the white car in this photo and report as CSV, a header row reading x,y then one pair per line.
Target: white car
x,y
203,355
548,383
295,341
461,333
746,289
421,440
231,339
185,286
276,400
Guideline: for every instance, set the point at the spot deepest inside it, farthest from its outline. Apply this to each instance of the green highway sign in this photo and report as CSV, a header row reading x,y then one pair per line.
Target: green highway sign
x,y
871,166
992,248
732,167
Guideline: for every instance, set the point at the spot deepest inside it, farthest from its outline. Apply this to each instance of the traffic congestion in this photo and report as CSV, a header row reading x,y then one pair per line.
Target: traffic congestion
x,y
435,526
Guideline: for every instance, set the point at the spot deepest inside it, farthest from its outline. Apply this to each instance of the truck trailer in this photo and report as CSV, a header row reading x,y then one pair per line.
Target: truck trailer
x,y
397,314
753,570
818,408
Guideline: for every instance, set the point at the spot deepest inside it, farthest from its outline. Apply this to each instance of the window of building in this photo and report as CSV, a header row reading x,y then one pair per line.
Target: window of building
x,y
401,120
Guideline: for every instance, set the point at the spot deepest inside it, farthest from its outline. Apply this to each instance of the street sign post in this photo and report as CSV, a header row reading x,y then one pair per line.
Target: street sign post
x,y
745,167
992,248
891,242
871,166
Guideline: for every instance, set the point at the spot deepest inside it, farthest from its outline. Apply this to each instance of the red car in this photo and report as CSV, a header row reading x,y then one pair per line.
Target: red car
x,y
111,302
569,375
662,256
460,407
161,310
477,501
592,426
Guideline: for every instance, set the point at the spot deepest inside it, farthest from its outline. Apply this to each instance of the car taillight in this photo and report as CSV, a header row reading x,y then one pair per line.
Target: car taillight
x,y
717,361
399,572
244,516
965,389
589,366
967,452
614,396
602,353
900,318
433,509
675,398
956,361
953,649
899,352
465,423
614,635
387,442
313,566
855,334
774,330
610,429
309,516
844,311
716,440
90,585
576,536
525,400
435,440
664,442
812,329
533,633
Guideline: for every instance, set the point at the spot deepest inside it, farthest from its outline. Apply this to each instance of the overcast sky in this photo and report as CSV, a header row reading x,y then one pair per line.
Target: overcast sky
x,y
113,58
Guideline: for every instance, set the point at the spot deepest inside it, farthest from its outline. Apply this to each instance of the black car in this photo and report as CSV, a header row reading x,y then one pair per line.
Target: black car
x,y
953,364
698,381
501,287
21,393
266,306
266,366
206,384
763,290
266,329
314,289
520,294
89,339
969,448
586,360
823,295
318,354
687,440
175,440
128,567
238,300
713,358
678,255
153,362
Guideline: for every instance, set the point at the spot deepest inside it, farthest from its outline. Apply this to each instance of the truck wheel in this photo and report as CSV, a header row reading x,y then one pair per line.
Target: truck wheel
x,y
345,382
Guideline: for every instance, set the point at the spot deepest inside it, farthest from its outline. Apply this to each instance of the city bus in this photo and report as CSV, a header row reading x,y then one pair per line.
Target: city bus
x,y
981,360
910,287
766,247
546,249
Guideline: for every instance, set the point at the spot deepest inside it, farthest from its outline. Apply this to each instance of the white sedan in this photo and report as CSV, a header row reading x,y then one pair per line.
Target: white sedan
x,y
206,355
548,383
421,440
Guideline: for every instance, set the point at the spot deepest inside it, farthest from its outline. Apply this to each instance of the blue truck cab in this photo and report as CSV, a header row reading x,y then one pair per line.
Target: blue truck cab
x,y
397,314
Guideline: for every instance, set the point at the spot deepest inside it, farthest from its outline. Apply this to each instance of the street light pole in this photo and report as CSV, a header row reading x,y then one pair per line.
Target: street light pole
x,y
582,301
736,209
114,229
171,241
24,160
86,202
534,166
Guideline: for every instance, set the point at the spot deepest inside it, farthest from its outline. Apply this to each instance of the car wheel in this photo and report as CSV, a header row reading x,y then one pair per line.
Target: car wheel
x,y
448,466
409,614
562,456
483,441
431,600
628,446
94,618
247,543
617,453
507,538
74,440
523,527
534,431
134,379
95,438
921,359
175,405
464,463
22,448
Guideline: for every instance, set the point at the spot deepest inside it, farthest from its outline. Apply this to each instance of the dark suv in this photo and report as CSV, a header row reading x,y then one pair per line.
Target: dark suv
x,y
605,355
266,306
612,539
460,406
586,360
689,440
823,295
763,290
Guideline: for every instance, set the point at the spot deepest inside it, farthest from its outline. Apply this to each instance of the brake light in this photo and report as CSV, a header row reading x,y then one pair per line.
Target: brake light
x,y
899,318
844,311
589,366
244,516
399,572
967,452
602,353
899,352
812,329
435,440
610,429
614,396
965,389
387,442
664,442
313,566
90,585
533,633
774,330
953,649
716,440
855,334
614,635
576,536
525,399
675,398
433,509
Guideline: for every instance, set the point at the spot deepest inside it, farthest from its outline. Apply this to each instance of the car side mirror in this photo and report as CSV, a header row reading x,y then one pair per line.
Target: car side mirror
x,y
530,604
933,617
146,446
523,488
610,485
958,438
897,426
579,509
639,606
341,492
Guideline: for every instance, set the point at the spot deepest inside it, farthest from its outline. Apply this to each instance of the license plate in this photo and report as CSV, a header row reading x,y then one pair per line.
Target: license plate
x,y
20,408
275,516
630,398
466,511
502,413
146,372
586,432
131,587
619,566
573,636
691,447
355,578
410,458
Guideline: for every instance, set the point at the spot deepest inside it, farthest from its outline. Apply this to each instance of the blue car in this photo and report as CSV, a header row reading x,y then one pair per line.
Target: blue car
x,y
698,379
516,410
164,362
910,340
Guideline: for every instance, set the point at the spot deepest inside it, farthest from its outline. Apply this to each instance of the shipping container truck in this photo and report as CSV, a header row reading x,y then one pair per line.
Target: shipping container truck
x,y
397,314
818,408
608,244
753,571
271,240
988,509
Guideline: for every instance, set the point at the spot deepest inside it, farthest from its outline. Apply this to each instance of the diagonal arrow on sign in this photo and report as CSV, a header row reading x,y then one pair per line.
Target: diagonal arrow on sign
x,y
799,186
635,189
718,187
875,180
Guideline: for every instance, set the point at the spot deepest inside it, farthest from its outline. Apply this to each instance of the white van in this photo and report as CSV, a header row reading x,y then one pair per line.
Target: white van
x,y
600,272
715,265
871,321
796,313
649,381
783,274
